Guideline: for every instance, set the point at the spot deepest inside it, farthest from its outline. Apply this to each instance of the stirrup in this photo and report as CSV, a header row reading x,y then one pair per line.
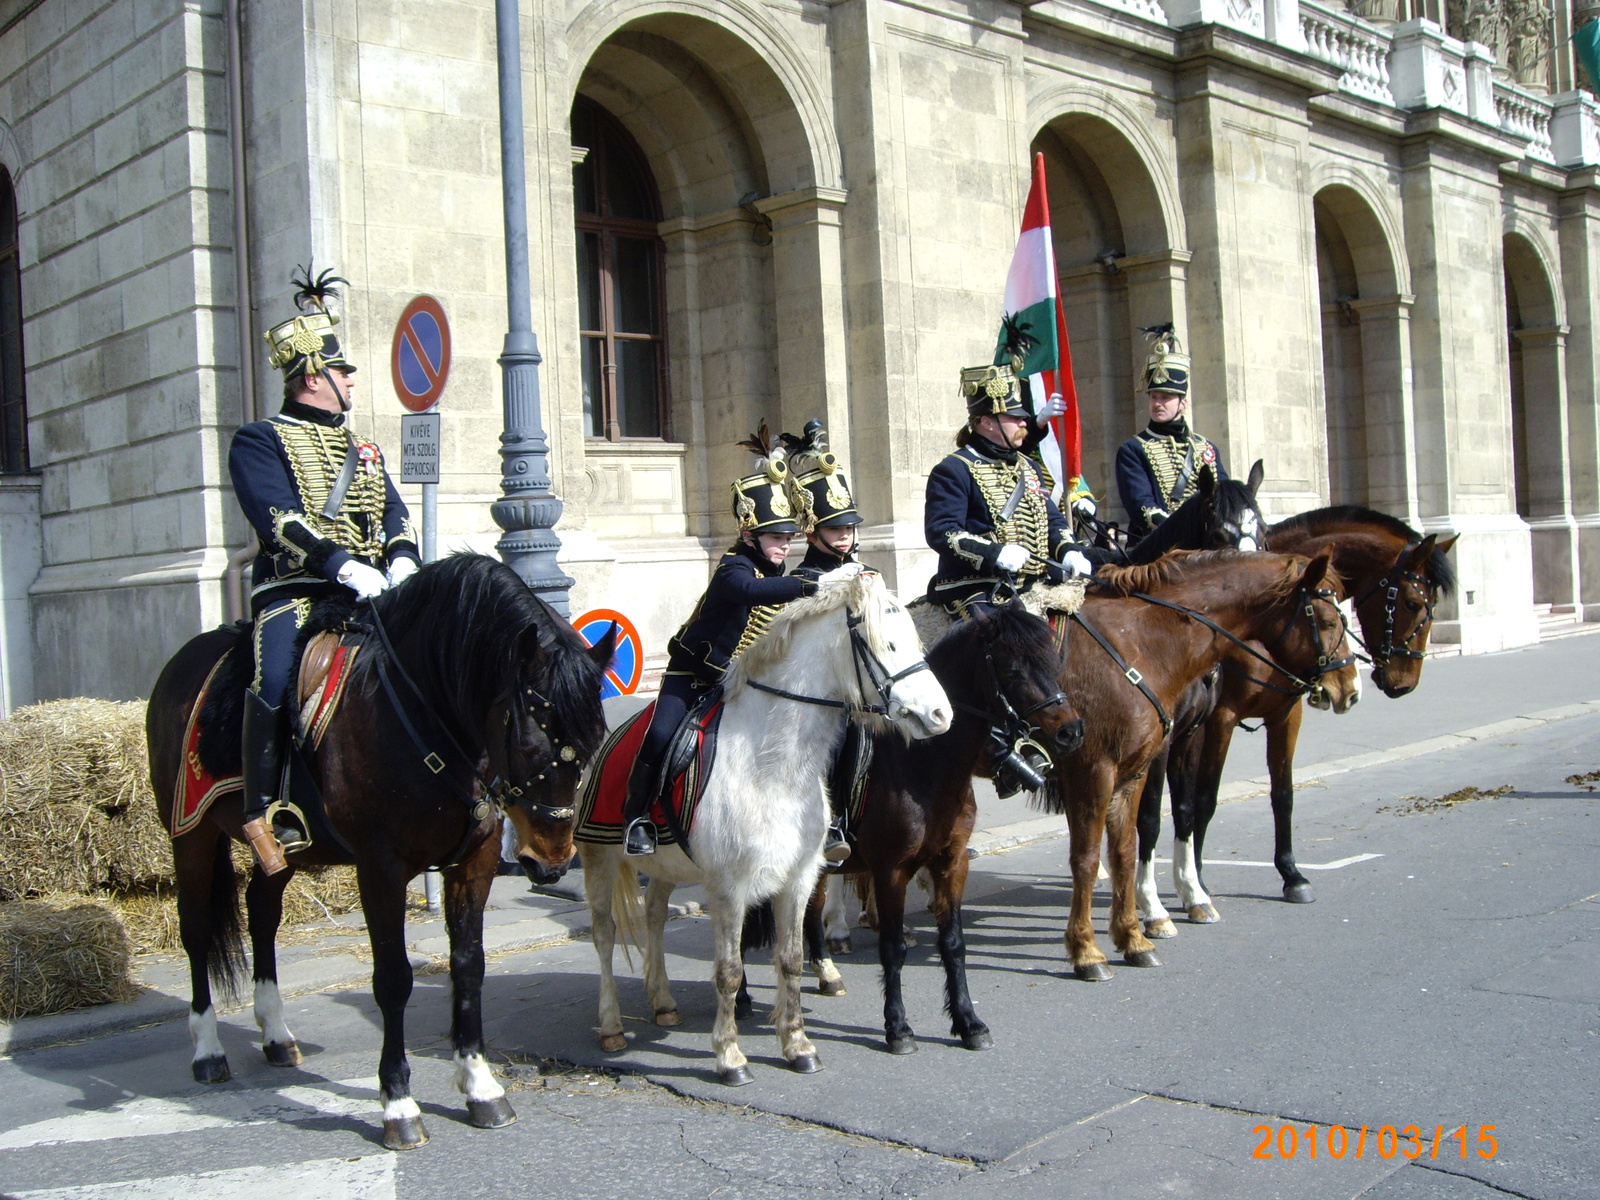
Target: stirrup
x,y
265,844
835,847
289,826
639,838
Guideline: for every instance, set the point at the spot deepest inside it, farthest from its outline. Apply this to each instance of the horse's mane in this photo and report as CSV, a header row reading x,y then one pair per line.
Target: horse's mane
x,y
1180,566
1011,632
1336,518
773,646
473,591
1233,500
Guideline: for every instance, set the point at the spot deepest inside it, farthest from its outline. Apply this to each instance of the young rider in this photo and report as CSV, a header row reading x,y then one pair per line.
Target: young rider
x,y
329,522
1159,467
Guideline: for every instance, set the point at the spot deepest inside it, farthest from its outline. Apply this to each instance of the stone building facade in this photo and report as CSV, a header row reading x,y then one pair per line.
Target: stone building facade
x,y
1380,241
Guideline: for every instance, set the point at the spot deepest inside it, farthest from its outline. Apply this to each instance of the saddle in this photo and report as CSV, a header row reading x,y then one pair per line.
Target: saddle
x,y
213,730
684,771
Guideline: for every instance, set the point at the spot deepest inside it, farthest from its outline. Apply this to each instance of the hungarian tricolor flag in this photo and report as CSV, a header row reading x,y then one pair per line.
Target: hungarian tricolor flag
x,y
1033,309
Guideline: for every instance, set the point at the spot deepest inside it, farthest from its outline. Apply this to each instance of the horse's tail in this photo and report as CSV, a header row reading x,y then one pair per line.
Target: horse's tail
x,y
627,908
225,956
760,928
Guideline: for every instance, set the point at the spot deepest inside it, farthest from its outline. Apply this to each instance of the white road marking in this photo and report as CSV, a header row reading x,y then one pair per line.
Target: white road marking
x,y
368,1178
147,1116
1304,866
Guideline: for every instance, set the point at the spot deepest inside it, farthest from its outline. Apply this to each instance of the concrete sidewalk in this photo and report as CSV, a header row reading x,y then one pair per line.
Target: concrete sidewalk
x,y
1460,701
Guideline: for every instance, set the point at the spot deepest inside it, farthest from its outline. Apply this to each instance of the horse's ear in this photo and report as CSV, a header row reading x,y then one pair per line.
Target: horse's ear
x,y
1207,481
1423,551
1258,472
1316,570
1448,544
603,651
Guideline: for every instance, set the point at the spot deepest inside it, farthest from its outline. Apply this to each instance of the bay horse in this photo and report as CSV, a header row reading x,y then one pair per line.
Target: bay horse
x,y
1394,577
1000,670
505,696
1146,634
758,830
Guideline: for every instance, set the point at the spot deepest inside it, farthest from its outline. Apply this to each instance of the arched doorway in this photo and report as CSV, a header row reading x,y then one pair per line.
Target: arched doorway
x,y
1365,344
1540,478
1117,272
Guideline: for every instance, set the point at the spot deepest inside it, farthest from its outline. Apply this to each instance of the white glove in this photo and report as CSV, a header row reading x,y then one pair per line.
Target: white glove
x,y
1011,558
839,574
365,581
1053,407
400,570
1076,564
1085,506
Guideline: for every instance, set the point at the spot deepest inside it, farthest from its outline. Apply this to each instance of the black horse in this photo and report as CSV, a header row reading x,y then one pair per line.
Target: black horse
x,y
467,693
1000,671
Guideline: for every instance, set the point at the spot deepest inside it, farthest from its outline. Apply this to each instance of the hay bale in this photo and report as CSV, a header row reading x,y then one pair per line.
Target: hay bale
x,y
54,958
76,810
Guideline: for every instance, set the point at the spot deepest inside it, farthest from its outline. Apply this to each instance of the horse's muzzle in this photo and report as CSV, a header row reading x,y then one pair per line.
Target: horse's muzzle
x,y
538,873
1069,735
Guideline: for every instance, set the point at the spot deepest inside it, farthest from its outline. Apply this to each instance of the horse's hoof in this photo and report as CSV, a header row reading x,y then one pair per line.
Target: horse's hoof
x,y
490,1114
735,1076
831,987
978,1039
283,1054
1141,958
404,1133
211,1070
1163,928
840,946
909,938
668,1017
902,1045
1093,972
612,1042
1203,914
1299,893
744,1008
805,1064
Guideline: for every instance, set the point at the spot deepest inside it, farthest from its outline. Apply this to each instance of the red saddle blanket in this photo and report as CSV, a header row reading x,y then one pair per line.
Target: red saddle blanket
x,y
606,787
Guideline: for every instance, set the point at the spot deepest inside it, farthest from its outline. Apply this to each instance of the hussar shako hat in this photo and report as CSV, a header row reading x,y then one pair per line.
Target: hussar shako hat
x,y
306,344
1167,368
997,390
817,484
761,501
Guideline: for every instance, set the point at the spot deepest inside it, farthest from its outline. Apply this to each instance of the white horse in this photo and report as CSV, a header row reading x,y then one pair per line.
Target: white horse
x,y
759,828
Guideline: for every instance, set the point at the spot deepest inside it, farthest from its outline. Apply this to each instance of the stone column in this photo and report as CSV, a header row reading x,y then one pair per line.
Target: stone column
x,y
1548,505
809,297
1580,277
1390,414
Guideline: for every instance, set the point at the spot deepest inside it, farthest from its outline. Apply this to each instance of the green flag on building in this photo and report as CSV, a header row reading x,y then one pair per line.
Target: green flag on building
x,y
1586,44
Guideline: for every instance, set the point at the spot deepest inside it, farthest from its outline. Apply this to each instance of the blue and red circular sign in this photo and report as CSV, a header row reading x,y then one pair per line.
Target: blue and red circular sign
x,y
420,357
627,665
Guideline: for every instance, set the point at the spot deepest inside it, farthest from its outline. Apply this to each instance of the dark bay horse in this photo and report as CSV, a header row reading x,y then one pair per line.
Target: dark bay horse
x,y
1000,671
1129,661
1394,576
500,689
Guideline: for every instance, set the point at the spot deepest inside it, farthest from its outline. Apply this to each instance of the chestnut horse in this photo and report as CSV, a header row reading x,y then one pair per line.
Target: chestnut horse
x,y
462,663
1394,576
1128,663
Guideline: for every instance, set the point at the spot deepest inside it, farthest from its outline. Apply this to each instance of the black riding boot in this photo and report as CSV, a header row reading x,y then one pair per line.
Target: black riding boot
x,y
638,827
263,766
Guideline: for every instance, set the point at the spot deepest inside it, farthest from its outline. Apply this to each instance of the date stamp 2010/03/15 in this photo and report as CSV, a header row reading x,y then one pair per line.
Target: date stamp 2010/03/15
x,y
1287,1141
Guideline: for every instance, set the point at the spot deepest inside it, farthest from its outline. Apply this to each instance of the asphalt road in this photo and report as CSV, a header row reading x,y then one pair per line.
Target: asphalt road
x,y
1452,980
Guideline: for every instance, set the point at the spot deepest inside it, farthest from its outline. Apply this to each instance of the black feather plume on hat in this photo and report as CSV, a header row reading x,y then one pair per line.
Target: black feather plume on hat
x,y
813,439
761,443
1155,332
315,291
1016,339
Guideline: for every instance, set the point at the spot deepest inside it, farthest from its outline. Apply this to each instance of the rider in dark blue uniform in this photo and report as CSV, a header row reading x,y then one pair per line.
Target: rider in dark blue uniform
x,y
746,590
988,510
1159,468
329,522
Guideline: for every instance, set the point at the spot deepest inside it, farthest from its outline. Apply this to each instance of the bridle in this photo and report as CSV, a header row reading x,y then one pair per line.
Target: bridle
x,y
495,791
1390,586
865,662
1017,759
1326,663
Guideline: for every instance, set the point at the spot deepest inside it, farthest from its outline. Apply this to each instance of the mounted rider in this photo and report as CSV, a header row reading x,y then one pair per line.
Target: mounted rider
x,y
988,511
1159,467
746,590
329,522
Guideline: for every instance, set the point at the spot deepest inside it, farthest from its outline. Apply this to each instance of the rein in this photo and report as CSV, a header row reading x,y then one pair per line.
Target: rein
x,y
1130,673
861,656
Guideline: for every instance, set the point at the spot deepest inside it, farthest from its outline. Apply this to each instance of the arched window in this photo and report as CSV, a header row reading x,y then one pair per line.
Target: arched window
x,y
13,397
620,302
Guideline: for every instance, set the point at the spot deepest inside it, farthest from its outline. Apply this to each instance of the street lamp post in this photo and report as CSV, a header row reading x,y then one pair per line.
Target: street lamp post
x,y
527,510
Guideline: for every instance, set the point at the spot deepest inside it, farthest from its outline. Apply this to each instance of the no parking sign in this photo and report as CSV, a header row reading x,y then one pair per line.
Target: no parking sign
x,y
627,665
419,359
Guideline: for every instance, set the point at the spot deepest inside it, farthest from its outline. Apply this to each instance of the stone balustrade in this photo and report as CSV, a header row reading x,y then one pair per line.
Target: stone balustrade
x,y
1525,116
1357,48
